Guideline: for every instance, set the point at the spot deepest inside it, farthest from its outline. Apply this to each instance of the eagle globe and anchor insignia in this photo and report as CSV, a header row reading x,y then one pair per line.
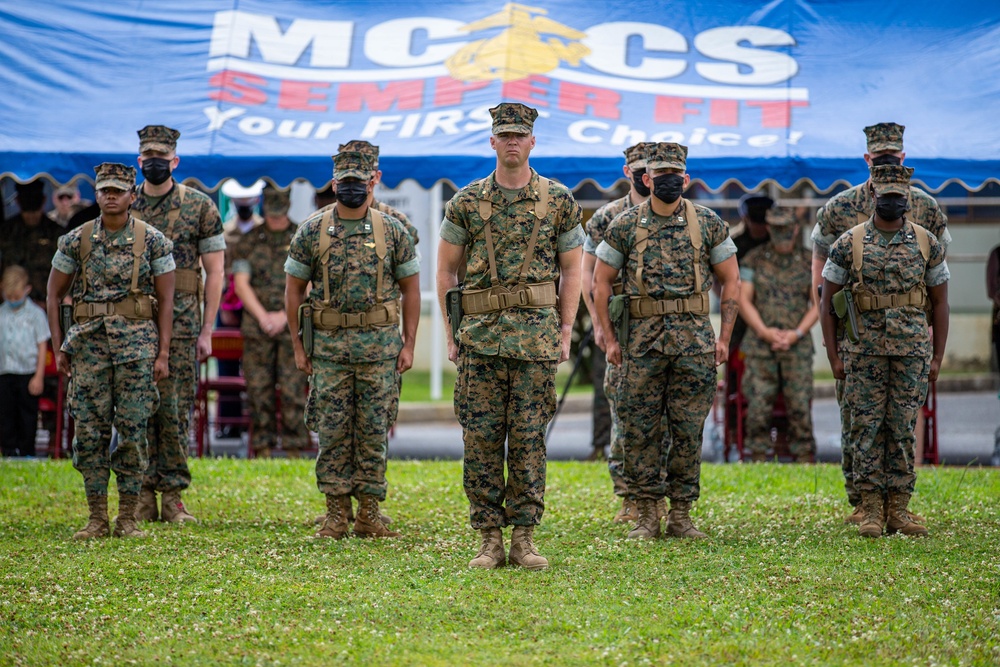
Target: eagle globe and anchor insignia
x,y
519,51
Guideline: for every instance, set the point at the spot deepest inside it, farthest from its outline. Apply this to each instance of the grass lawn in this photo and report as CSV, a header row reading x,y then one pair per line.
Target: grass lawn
x,y
781,581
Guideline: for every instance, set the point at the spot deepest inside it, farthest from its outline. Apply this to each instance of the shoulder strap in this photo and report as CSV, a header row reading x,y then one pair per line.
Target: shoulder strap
x,y
175,213
541,210
858,248
694,231
378,228
324,252
138,248
641,241
86,245
922,241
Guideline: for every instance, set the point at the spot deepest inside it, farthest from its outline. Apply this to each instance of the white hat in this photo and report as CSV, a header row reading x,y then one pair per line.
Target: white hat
x,y
232,189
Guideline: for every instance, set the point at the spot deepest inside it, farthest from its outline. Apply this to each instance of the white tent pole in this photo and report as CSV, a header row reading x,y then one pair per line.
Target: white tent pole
x,y
436,322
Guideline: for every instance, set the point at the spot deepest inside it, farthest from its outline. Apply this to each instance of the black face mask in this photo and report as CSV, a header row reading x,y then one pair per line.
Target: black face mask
x,y
156,170
668,187
244,212
891,207
886,159
640,187
352,194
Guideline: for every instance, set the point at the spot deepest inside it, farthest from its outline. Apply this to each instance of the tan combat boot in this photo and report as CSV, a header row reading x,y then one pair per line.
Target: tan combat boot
x,y
661,509
647,525
490,554
125,523
369,522
335,523
522,550
173,510
679,521
872,509
898,519
97,525
628,513
148,511
856,516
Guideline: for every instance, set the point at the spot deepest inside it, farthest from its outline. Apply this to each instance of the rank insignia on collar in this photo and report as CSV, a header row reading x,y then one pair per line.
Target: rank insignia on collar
x,y
331,229
368,227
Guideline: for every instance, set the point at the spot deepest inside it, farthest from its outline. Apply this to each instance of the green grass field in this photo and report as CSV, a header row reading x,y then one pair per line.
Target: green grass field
x,y
781,580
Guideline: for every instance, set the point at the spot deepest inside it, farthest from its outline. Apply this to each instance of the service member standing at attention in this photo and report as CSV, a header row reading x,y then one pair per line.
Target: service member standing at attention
x,y
606,428
361,263
114,352
667,250
892,269
190,220
268,357
371,151
852,207
776,302
516,235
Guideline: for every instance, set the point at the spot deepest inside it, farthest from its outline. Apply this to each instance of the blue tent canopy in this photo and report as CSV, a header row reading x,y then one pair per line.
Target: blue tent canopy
x,y
758,91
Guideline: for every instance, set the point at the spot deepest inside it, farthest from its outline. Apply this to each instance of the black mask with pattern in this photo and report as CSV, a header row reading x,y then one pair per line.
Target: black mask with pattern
x,y
640,187
668,187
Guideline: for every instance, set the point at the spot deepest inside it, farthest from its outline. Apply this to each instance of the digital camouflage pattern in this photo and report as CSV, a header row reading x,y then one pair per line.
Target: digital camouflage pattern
x,y
352,406
361,146
196,230
391,212
894,267
890,179
616,458
352,265
111,358
530,334
664,155
158,138
668,273
513,117
353,164
269,363
884,137
31,248
782,286
114,175
856,205
599,222
498,399
884,394
684,387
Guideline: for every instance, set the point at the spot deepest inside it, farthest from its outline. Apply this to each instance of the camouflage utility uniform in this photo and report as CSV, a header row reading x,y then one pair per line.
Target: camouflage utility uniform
x,y
354,388
269,362
112,356
190,220
781,289
505,391
669,361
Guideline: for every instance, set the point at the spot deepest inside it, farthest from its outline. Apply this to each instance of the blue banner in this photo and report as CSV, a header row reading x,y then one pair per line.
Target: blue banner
x,y
779,90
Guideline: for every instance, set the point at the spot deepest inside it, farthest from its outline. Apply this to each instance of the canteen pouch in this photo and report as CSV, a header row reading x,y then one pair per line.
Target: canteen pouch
x,y
618,312
306,328
65,317
453,306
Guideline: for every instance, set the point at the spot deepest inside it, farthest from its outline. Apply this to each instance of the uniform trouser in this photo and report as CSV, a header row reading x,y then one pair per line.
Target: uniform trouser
x,y
602,406
884,394
269,367
683,387
616,460
846,450
351,407
497,400
169,429
792,375
17,428
103,394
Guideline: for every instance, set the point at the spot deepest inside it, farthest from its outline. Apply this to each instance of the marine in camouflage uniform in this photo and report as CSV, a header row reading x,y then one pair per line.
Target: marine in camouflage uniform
x,y
667,251
29,238
777,304
114,348
849,208
358,353
371,150
191,221
885,373
518,234
607,429
268,358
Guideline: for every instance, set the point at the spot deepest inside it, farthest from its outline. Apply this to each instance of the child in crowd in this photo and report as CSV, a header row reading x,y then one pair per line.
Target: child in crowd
x,y
24,333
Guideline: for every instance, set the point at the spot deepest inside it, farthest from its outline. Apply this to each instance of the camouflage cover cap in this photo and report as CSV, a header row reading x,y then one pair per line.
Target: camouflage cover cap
x,y
114,175
68,189
884,137
666,156
352,164
511,117
362,146
891,179
779,217
276,202
635,156
158,138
